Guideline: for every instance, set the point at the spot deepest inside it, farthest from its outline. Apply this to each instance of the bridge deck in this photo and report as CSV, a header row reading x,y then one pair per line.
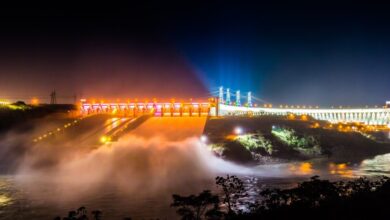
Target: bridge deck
x,y
371,116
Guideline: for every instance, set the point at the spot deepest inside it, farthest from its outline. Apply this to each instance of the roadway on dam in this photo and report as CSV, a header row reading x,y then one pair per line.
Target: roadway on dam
x,y
82,132
96,130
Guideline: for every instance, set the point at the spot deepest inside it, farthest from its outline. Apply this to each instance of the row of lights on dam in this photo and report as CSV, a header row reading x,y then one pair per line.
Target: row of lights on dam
x,y
317,107
57,130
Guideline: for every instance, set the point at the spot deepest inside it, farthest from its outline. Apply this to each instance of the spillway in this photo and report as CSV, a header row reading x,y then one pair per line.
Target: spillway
x,y
171,128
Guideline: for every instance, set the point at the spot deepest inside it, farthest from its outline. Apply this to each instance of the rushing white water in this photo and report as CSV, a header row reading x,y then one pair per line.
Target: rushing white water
x,y
379,165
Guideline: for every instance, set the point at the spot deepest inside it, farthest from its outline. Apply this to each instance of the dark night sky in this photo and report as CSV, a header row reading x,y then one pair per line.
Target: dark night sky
x,y
301,53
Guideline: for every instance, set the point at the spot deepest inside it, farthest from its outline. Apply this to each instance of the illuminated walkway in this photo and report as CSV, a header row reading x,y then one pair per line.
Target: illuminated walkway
x,y
370,116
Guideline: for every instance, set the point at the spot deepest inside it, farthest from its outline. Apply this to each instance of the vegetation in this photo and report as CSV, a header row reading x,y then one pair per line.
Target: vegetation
x,y
322,199
268,138
316,198
256,142
233,189
17,114
313,199
19,105
196,207
81,214
236,152
306,144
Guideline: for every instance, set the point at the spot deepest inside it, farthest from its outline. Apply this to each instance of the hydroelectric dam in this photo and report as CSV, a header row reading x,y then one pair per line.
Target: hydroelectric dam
x,y
223,106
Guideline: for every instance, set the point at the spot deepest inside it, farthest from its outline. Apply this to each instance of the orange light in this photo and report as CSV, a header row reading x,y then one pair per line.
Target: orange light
x,y
315,125
105,139
231,137
34,101
340,169
306,168
342,166
291,116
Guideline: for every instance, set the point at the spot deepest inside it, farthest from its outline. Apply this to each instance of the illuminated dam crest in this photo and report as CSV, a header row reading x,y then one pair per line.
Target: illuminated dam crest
x,y
222,105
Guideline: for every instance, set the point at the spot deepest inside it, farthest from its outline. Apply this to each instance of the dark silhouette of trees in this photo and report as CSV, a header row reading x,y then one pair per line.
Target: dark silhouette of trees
x,y
360,198
206,205
232,188
81,214
196,207
97,215
20,103
321,199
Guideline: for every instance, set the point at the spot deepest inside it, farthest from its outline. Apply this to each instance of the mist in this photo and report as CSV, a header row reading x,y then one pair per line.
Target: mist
x,y
146,161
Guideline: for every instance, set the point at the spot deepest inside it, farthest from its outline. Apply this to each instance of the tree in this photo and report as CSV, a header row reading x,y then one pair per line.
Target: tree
x,y
20,103
96,214
71,215
196,207
233,189
81,214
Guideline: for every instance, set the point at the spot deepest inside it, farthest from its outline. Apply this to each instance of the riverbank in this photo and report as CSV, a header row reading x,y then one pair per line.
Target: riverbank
x,y
18,115
254,140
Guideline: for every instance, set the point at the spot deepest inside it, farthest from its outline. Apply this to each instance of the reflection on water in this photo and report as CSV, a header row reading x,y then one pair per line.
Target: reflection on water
x,y
5,200
305,168
326,169
341,169
379,165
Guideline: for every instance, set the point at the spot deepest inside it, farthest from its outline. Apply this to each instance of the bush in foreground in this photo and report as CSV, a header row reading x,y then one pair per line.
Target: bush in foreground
x,y
314,199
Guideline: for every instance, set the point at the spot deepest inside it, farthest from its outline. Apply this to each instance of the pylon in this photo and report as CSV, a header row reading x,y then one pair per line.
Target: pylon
x,y
53,97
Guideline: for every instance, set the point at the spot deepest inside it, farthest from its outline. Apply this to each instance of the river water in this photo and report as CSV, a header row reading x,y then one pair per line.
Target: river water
x,y
137,176
43,200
